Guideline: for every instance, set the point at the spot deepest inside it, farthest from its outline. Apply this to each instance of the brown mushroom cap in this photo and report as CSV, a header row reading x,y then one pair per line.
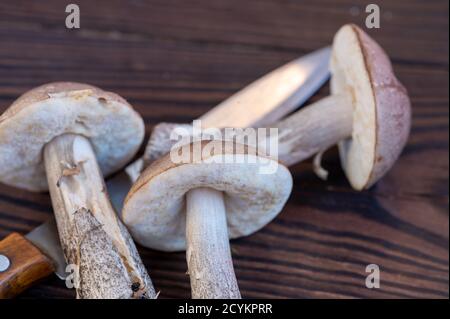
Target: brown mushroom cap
x,y
115,130
154,209
382,110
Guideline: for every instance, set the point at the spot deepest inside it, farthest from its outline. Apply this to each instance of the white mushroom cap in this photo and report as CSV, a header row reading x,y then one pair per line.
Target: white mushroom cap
x,y
154,209
382,110
115,130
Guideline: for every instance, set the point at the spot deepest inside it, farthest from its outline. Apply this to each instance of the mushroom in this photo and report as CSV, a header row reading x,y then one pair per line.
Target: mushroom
x,y
61,137
199,204
368,115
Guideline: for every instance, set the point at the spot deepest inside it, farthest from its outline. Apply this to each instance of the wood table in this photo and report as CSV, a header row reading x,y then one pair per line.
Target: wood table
x,y
174,60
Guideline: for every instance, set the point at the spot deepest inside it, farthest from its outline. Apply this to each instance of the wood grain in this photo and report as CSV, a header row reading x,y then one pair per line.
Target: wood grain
x,y
28,265
174,60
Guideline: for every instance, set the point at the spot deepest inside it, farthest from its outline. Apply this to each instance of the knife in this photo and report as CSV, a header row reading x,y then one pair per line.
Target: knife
x,y
25,260
267,100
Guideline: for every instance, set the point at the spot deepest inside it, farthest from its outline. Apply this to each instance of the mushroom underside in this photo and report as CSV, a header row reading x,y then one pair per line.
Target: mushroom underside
x,y
155,213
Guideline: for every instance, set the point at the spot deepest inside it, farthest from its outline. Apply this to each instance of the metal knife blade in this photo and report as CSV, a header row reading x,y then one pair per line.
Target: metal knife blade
x,y
268,99
274,95
46,238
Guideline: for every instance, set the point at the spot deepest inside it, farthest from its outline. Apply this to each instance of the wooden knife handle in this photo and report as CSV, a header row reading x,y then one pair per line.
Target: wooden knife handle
x,y
27,265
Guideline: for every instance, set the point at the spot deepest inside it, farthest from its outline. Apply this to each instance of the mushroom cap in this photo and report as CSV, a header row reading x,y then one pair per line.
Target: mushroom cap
x,y
382,110
154,209
115,130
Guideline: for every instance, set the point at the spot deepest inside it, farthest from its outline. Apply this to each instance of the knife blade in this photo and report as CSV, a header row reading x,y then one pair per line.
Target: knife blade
x,y
25,260
274,95
267,100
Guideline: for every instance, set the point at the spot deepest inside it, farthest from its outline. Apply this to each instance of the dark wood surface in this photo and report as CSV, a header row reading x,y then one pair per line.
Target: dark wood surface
x,y
174,60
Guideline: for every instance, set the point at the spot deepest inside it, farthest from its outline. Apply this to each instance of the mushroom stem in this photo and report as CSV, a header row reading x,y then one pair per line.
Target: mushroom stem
x,y
208,249
103,258
315,128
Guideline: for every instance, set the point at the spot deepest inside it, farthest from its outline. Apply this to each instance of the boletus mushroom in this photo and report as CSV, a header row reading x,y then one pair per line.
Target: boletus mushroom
x,y
368,114
64,137
199,204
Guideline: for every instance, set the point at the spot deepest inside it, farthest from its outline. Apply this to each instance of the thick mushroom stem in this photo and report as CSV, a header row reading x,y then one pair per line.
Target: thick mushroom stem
x,y
103,258
208,253
315,128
